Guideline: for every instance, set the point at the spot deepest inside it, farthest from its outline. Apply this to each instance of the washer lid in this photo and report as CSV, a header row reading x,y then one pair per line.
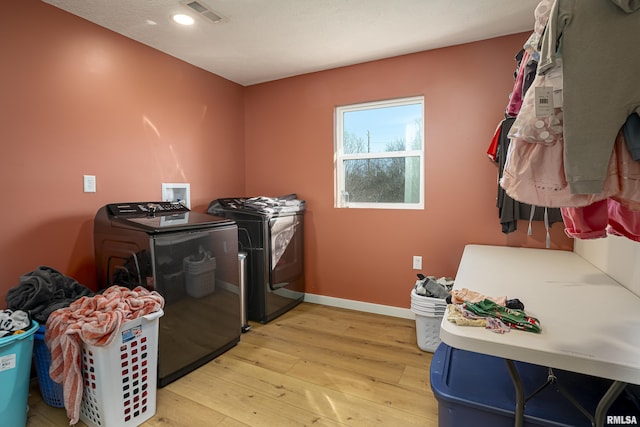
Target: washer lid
x,y
162,218
257,206
176,221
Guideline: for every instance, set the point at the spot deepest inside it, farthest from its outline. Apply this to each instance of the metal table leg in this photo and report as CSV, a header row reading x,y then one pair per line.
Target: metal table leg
x,y
607,400
598,420
517,385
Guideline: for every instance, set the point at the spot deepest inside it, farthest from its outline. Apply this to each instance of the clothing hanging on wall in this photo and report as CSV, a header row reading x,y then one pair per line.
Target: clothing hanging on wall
x,y
618,214
509,209
515,100
541,17
534,170
597,41
601,219
541,165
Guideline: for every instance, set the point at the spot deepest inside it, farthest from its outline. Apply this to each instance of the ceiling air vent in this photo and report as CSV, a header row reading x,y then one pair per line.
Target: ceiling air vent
x,y
203,10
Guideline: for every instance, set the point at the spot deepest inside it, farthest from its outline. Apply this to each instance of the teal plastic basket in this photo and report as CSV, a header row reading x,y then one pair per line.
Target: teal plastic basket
x,y
15,369
50,390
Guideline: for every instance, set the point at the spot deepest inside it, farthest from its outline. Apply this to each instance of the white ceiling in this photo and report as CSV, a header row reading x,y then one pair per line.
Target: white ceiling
x,y
263,40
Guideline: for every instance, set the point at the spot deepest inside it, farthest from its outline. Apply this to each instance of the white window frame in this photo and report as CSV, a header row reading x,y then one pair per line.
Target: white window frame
x,y
339,156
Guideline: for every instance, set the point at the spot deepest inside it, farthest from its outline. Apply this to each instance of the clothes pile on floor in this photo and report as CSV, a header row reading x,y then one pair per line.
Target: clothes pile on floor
x,y
44,290
93,320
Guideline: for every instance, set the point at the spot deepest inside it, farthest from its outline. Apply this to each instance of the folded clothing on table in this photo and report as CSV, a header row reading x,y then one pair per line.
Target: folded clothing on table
x,y
515,318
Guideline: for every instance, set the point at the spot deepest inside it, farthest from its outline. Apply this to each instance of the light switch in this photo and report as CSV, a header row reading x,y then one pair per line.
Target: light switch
x,y
89,183
417,262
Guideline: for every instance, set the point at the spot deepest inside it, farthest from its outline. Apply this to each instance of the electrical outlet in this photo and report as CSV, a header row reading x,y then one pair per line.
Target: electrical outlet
x,y
417,262
89,183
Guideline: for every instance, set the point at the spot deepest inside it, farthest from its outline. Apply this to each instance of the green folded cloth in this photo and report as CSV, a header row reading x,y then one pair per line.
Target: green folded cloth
x,y
513,317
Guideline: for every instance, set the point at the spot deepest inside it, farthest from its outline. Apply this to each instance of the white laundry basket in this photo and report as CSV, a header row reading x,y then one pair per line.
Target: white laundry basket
x,y
120,380
429,313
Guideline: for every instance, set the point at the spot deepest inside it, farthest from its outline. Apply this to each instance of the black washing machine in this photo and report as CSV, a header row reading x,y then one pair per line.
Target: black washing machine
x,y
270,232
191,259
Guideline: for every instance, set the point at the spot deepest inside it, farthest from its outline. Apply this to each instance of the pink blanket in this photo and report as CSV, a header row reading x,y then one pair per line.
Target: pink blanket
x,y
92,320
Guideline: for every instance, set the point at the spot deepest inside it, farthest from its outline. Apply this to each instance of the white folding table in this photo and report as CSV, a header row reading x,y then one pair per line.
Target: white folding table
x,y
590,323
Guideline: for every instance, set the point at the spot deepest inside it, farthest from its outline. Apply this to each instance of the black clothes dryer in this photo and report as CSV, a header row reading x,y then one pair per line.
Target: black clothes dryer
x,y
270,232
191,259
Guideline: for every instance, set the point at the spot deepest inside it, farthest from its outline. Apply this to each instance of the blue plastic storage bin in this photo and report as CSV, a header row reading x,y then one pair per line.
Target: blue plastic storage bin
x,y
475,389
15,369
50,390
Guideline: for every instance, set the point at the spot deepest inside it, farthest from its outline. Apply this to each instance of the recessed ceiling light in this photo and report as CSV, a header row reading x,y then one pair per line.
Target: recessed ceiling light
x,y
183,19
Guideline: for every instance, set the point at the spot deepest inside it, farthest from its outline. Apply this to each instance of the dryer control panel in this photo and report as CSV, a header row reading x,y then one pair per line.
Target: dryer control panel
x,y
146,208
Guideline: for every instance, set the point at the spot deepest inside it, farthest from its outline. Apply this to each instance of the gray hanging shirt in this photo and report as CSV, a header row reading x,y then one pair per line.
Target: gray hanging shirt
x,y
598,41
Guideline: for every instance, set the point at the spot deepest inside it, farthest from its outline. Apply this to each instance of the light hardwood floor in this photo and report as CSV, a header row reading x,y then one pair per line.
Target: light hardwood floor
x,y
314,365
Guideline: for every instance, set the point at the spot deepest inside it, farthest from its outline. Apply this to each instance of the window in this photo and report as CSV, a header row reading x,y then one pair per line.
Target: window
x,y
379,154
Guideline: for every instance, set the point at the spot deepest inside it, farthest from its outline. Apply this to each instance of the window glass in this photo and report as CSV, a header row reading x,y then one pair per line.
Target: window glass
x,y
379,154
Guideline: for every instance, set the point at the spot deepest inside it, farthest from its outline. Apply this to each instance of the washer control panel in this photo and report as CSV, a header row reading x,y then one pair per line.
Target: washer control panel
x,y
146,208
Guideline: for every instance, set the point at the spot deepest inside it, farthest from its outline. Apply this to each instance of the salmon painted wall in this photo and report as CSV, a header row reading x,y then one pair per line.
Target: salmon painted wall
x,y
76,99
366,254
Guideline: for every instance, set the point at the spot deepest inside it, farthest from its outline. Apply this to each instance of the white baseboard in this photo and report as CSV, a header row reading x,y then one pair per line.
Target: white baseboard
x,y
368,307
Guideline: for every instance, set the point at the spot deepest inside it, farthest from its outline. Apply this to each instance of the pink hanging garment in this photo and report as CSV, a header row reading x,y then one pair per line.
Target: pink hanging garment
x,y
534,174
623,221
515,101
618,215
629,175
587,222
541,125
